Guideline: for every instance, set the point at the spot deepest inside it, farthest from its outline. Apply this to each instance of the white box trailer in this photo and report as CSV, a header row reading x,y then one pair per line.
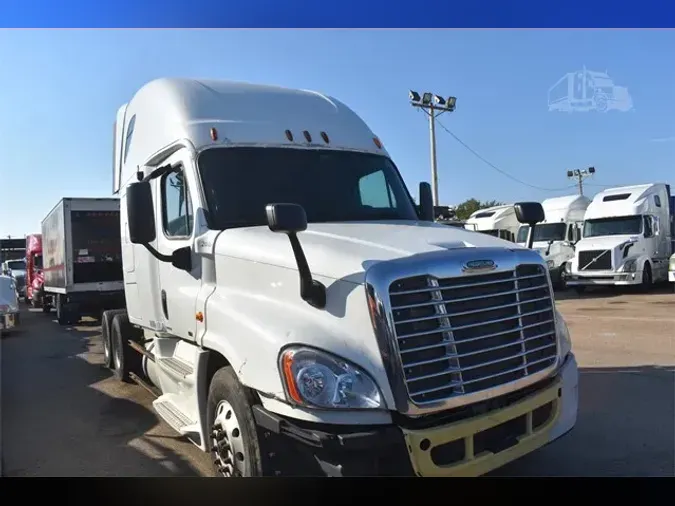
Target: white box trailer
x,y
82,258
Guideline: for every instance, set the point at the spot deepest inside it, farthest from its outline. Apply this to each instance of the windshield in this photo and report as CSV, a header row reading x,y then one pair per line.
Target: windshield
x,y
546,232
622,225
37,261
16,265
330,185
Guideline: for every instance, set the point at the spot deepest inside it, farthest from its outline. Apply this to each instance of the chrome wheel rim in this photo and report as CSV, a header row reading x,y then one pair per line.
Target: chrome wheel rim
x,y
227,443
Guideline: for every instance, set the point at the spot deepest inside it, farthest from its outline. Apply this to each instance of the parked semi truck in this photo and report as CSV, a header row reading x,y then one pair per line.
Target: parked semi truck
x,y
498,221
34,273
627,238
556,236
82,258
295,314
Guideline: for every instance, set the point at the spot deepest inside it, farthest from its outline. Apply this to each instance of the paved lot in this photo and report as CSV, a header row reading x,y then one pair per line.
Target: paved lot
x,y
63,415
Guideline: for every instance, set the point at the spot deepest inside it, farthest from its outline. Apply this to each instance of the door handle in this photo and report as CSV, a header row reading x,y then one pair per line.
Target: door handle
x,y
165,307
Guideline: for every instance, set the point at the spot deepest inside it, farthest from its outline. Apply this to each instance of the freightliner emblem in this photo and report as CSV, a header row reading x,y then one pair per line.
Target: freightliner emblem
x,y
479,265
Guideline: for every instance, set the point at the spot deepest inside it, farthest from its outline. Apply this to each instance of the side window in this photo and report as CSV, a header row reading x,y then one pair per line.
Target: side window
x,y
649,232
375,191
130,133
657,201
176,205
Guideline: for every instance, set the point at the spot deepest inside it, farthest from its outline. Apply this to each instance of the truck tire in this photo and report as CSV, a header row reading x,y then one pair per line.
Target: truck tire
x,y
61,313
125,359
106,336
231,428
647,280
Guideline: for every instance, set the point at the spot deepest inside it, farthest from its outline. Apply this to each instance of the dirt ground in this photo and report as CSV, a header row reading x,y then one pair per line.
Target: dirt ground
x,y
63,414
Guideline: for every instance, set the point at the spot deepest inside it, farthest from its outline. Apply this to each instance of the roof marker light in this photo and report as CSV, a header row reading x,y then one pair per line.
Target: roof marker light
x,y
214,134
307,136
289,135
377,142
324,136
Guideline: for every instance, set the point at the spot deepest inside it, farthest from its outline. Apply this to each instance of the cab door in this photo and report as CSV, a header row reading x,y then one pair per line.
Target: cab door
x,y
178,288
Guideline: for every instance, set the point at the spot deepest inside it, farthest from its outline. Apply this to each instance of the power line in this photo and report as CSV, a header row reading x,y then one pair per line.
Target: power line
x,y
493,166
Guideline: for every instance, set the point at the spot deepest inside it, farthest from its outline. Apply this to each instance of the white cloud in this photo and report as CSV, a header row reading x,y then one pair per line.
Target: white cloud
x,y
664,139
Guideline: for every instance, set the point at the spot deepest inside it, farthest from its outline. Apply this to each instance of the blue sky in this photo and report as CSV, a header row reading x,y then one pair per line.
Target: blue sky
x,y
60,90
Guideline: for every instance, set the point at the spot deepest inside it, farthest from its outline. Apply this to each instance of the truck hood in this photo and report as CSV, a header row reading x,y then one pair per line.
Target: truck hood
x,y
600,243
346,250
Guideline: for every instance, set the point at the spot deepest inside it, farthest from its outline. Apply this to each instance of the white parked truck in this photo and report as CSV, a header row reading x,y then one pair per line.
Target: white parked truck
x,y
296,315
498,221
82,261
627,238
556,236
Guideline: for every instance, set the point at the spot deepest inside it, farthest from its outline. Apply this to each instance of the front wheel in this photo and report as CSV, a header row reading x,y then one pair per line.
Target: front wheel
x,y
232,431
646,278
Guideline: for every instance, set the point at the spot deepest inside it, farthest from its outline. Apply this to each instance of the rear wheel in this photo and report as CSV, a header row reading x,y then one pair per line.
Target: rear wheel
x,y
106,336
125,359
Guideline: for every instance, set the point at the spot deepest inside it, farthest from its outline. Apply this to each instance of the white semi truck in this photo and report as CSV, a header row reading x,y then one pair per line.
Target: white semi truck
x,y
627,238
556,236
498,221
295,314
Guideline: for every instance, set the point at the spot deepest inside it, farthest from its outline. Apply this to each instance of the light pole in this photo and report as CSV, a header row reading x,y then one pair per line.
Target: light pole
x,y
580,175
433,106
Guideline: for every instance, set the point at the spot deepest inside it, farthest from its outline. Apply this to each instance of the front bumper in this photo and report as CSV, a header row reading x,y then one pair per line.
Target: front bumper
x,y
606,279
465,446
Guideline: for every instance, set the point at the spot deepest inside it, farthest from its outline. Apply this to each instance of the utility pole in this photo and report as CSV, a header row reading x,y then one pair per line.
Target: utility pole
x,y
580,175
433,106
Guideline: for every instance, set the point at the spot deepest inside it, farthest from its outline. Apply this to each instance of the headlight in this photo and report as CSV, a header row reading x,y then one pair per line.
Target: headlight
x,y
318,379
630,266
671,264
562,335
568,267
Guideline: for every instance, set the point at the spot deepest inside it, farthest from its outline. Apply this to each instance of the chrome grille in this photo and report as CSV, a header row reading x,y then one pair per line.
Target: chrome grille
x,y
461,335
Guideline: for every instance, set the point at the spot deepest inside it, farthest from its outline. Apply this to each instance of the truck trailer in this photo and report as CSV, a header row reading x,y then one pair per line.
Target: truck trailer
x,y
627,238
82,261
295,314
556,236
34,274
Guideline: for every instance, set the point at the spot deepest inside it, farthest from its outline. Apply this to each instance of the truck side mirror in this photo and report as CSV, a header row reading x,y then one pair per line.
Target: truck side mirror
x,y
426,208
286,218
529,213
140,213
291,219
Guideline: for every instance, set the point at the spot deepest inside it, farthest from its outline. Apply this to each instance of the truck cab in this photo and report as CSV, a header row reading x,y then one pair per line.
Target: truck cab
x,y
295,313
34,273
627,238
556,236
498,221
16,268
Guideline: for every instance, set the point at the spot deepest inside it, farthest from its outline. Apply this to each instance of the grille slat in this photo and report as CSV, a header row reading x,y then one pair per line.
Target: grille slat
x,y
602,263
467,299
466,334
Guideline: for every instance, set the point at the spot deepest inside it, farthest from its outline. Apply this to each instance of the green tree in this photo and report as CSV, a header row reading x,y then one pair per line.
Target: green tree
x,y
470,206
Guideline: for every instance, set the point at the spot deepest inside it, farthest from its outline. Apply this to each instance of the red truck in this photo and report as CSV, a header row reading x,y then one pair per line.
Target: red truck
x,y
34,275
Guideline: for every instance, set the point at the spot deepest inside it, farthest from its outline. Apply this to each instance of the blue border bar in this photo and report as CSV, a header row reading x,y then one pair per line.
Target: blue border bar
x,y
336,14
